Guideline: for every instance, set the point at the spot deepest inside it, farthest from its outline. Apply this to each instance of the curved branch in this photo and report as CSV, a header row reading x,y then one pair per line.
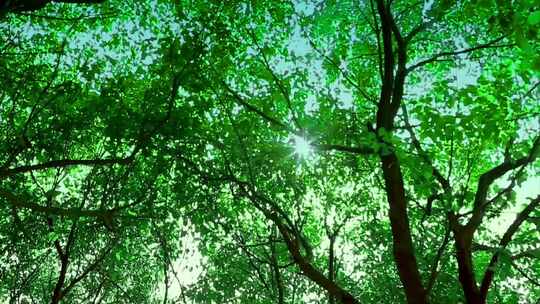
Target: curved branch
x,y
364,149
91,267
63,163
292,239
438,257
436,57
487,179
71,212
141,141
507,237
444,182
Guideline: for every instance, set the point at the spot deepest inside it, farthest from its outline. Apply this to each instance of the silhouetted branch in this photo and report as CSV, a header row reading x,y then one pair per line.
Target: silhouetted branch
x,y
490,44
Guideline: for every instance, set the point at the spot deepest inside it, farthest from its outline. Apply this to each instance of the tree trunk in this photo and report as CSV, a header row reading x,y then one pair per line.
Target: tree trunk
x,y
463,244
57,293
403,248
331,271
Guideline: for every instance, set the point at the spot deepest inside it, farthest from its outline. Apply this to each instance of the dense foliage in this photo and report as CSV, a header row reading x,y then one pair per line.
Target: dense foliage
x,y
370,151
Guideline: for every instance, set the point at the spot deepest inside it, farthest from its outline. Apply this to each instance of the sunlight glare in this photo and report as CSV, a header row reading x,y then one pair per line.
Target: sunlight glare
x,y
302,147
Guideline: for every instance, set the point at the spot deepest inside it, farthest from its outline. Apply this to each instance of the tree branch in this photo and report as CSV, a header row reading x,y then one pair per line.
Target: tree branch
x,y
507,237
533,253
493,174
72,212
490,44
141,141
445,184
389,102
435,265
63,163
284,92
365,149
90,268
292,239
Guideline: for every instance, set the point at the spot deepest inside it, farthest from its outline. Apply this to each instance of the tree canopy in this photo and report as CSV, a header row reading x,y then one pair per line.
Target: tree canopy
x,y
313,151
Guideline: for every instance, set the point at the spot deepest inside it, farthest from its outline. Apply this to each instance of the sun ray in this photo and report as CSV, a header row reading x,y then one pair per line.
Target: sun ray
x,y
302,147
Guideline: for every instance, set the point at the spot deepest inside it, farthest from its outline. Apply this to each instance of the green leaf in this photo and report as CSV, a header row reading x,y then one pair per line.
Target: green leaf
x,y
52,236
534,18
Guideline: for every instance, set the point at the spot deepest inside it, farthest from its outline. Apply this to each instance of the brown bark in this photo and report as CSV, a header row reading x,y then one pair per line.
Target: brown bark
x,y
313,273
390,100
57,293
403,248
464,234
463,244
63,257
293,241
